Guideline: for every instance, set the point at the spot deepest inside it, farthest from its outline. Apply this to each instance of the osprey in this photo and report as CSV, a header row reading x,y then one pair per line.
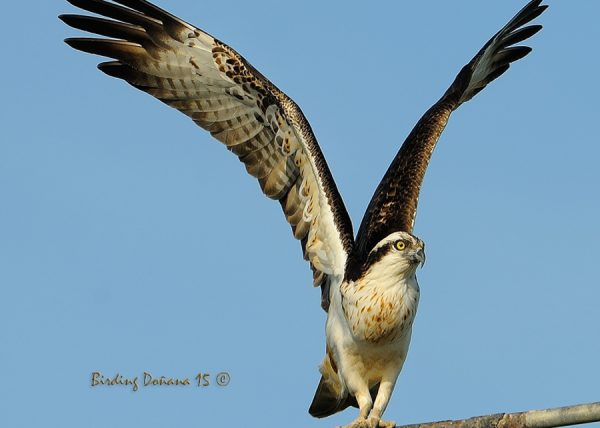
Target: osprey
x,y
368,285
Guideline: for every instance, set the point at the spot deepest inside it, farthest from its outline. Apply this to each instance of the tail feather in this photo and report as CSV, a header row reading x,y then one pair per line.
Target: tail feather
x,y
330,396
326,401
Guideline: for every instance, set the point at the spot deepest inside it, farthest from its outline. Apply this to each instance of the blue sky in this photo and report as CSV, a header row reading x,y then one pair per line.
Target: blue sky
x,y
130,241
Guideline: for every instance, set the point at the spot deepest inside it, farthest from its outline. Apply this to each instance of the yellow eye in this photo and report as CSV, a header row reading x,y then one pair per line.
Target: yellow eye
x,y
400,245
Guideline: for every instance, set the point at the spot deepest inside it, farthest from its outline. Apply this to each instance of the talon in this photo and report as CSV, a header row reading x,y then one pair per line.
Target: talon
x,y
359,422
373,422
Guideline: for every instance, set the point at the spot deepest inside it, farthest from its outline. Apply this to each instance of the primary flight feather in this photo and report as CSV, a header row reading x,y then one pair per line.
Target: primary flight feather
x,y
368,285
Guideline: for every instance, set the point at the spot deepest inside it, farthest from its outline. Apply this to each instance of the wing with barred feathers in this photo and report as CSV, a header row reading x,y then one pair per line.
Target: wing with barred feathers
x,y
218,89
394,204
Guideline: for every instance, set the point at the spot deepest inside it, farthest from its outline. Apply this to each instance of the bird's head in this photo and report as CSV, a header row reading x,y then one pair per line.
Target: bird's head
x,y
397,254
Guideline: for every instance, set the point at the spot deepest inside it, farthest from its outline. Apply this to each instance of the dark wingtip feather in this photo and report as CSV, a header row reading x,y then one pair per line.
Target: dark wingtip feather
x,y
80,22
112,68
106,27
500,51
122,71
84,4
147,8
537,12
531,11
117,49
88,45
515,53
115,11
519,36
73,42
495,74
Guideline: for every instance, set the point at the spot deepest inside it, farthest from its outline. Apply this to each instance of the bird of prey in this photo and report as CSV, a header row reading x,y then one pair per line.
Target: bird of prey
x,y
368,285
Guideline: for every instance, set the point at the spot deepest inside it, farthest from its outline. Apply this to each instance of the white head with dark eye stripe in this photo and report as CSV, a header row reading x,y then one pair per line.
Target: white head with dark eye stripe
x,y
397,254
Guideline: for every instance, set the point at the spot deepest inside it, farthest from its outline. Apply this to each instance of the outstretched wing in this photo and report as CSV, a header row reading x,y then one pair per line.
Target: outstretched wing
x,y
208,81
394,204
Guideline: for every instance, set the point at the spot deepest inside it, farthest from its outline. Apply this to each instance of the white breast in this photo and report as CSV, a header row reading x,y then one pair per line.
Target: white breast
x,y
380,308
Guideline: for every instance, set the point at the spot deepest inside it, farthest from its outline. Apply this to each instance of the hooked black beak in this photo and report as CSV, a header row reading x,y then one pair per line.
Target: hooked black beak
x,y
418,257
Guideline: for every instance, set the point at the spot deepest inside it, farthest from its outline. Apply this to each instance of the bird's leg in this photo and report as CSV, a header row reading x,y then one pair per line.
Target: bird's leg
x,y
386,387
360,389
